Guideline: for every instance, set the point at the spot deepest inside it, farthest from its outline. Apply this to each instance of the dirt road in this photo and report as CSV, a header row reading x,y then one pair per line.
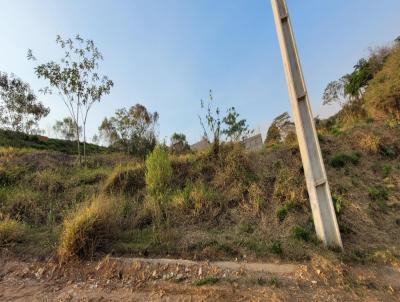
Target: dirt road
x,y
176,280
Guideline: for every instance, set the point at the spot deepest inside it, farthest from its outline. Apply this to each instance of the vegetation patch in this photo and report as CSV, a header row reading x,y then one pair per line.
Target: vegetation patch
x,y
88,229
206,281
342,159
11,231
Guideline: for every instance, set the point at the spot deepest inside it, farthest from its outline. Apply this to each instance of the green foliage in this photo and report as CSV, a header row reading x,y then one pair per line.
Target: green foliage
x,y
19,108
336,131
378,193
276,248
11,231
179,143
337,203
131,130
158,172
20,140
299,233
67,129
76,79
342,159
236,129
386,170
388,151
206,281
283,211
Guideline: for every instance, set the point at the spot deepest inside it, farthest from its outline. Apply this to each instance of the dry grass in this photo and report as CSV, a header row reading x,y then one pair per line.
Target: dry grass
x,y
126,180
11,231
89,229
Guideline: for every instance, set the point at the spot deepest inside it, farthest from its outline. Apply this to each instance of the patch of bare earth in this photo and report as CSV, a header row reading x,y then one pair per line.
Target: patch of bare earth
x,y
180,280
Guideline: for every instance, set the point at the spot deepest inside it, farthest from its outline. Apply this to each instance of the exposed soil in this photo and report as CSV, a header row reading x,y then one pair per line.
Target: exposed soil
x,y
177,280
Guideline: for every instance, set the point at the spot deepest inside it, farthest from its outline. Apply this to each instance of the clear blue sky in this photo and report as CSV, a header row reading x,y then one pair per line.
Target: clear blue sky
x,y
167,54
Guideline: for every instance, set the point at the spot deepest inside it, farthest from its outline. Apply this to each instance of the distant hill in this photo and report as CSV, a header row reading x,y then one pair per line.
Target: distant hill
x,y
21,140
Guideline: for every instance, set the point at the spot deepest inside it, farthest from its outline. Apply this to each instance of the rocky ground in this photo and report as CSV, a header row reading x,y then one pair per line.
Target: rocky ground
x,y
112,279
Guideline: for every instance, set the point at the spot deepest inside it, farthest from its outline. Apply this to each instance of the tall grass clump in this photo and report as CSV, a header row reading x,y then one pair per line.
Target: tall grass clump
x,y
11,231
127,180
88,229
158,172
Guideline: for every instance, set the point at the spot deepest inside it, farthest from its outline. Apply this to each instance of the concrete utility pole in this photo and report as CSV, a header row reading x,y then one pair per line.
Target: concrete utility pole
x,y
317,183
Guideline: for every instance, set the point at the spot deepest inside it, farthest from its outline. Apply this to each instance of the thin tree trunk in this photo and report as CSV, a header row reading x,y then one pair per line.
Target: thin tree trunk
x,y
84,142
77,133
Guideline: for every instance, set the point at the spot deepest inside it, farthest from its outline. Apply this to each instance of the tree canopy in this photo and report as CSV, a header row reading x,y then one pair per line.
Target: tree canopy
x,y
19,108
131,130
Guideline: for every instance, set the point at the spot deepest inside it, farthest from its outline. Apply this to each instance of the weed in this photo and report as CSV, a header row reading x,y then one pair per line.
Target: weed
x,y
340,160
261,281
11,231
388,151
336,131
206,281
158,171
299,233
378,193
274,282
283,211
127,180
386,170
337,203
276,248
88,229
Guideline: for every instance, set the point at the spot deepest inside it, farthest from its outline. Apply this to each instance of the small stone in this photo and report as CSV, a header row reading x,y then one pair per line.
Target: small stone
x,y
314,282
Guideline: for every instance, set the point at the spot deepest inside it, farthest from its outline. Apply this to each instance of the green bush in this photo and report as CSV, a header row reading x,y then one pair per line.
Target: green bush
x,y
276,248
158,172
283,211
378,193
337,203
300,233
340,160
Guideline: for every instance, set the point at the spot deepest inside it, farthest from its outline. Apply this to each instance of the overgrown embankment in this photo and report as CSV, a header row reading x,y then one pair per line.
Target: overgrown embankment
x,y
202,206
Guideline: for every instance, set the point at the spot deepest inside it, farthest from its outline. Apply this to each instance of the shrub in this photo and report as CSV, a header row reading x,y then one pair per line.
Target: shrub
x,y
88,229
283,211
127,180
388,151
300,233
276,248
203,198
11,231
340,160
158,172
378,193
337,203
206,281
386,170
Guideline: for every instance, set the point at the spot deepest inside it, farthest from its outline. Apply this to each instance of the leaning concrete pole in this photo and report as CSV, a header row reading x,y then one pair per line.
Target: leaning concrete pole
x,y
317,184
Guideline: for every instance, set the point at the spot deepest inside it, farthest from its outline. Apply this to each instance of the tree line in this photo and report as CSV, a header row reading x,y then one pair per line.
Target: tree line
x,y
79,84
